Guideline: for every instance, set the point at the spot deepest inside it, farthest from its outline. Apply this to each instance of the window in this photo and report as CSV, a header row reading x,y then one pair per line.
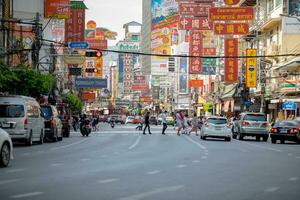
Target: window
x,y
33,111
254,117
217,121
270,5
11,111
278,3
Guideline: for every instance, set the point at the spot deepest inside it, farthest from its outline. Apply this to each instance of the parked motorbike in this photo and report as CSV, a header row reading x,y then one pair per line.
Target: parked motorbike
x,y
85,128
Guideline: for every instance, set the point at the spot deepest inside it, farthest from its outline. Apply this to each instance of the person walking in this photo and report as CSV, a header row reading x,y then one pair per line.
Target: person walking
x,y
164,122
147,123
194,124
179,122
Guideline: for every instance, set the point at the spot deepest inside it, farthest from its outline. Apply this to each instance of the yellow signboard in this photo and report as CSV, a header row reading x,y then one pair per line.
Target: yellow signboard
x,y
251,68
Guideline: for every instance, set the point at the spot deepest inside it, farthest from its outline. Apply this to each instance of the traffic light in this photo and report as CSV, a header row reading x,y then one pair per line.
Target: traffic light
x,y
91,70
93,54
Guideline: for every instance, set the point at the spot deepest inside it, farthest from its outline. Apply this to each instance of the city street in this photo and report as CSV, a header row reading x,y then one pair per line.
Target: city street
x,y
124,164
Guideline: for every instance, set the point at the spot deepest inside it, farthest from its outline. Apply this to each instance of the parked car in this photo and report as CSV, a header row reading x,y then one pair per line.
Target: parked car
x,y
6,148
153,120
251,124
216,127
53,124
129,120
170,121
138,119
285,130
117,119
22,118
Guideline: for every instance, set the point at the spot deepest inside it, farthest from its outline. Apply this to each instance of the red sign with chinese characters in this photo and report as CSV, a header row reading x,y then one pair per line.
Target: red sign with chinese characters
x,y
231,13
231,2
75,26
195,24
209,51
231,64
140,87
196,50
57,9
97,44
195,83
193,9
231,29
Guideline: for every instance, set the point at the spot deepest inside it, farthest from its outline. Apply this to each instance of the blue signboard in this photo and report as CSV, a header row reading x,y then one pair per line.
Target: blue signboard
x,y
208,70
94,83
78,45
289,105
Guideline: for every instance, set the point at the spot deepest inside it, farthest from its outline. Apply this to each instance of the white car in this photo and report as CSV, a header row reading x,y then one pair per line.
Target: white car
x,y
6,148
129,120
216,127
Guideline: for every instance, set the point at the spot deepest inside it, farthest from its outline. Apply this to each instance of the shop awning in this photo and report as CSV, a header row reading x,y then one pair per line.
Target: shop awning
x,y
291,66
229,91
270,24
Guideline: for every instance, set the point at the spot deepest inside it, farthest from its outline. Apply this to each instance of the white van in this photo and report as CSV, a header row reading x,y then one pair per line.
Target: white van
x,y
22,118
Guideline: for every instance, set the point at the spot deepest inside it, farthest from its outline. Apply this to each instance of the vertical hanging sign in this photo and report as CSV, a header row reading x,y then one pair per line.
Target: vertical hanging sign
x,y
231,64
251,68
195,50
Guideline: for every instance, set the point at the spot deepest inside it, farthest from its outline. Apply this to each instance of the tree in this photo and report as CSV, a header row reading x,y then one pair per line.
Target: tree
x,y
74,102
208,107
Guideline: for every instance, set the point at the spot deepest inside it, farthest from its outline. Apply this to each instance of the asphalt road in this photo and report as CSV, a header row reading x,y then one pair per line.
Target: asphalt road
x,y
123,164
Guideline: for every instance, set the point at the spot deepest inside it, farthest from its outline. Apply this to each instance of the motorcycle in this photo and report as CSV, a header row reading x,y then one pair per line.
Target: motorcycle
x,y
112,123
85,129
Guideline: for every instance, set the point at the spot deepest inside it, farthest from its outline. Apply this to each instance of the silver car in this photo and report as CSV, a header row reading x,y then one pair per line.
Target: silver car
x,y
251,124
216,127
6,148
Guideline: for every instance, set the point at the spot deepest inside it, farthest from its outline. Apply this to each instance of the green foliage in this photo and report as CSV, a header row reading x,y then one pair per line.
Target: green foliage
x,y
74,102
24,81
208,107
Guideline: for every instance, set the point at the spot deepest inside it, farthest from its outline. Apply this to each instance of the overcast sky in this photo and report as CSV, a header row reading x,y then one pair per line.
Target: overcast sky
x,y
112,14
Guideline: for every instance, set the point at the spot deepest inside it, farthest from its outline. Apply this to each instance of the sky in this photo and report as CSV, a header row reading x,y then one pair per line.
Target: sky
x,y
113,14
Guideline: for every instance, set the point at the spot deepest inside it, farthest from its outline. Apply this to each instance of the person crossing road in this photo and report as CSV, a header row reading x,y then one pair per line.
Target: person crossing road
x,y
164,122
147,123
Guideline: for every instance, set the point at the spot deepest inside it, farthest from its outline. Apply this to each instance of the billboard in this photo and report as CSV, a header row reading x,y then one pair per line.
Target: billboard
x,y
195,50
162,10
192,9
57,9
231,64
90,83
231,28
183,75
251,68
195,83
231,13
75,26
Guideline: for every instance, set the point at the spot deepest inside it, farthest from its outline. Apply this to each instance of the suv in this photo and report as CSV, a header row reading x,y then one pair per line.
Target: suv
x,y
53,124
250,124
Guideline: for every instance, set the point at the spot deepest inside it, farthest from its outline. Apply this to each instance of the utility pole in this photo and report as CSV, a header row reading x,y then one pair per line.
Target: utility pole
x,y
36,46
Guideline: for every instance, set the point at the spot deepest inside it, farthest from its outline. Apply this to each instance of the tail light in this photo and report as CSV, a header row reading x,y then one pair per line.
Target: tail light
x,y
294,130
245,123
26,124
274,130
265,124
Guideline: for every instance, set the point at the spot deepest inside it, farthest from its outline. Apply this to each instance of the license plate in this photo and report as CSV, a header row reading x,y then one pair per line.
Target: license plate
x,y
283,131
5,125
255,124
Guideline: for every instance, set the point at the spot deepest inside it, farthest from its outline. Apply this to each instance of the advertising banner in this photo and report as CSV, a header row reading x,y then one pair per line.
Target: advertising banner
x,y
75,26
145,99
195,50
140,87
194,24
183,75
231,29
139,79
193,9
86,96
231,13
209,66
92,83
127,73
251,68
97,44
57,9
195,83
231,64
162,10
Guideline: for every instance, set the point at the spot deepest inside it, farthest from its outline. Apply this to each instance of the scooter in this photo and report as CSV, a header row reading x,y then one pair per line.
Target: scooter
x,y
86,128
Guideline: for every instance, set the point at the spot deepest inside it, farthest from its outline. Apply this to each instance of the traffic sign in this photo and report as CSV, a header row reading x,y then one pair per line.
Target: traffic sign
x,y
289,105
78,45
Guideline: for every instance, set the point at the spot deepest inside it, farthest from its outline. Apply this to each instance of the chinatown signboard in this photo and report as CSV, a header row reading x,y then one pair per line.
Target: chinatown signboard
x,y
194,10
127,73
195,50
209,51
231,2
75,26
195,24
140,87
57,9
231,29
231,13
231,64
195,83
251,68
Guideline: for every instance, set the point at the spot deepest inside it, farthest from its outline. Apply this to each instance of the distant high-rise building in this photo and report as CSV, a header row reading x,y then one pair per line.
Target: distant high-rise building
x,y
146,37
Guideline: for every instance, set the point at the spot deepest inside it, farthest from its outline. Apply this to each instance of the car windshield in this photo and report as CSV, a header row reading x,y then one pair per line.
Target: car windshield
x,y
286,124
217,121
11,111
47,112
254,117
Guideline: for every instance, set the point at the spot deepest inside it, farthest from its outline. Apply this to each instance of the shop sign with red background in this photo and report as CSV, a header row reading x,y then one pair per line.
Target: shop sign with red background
x,y
127,73
195,24
140,87
209,51
195,50
145,99
88,96
231,64
193,9
57,9
231,29
196,83
231,13
75,26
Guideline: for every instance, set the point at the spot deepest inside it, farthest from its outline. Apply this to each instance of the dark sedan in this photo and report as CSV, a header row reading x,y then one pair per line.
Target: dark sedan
x,y
285,130
153,120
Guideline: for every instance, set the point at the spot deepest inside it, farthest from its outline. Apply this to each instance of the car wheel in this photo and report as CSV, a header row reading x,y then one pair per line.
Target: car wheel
x,y
41,141
228,139
5,155
273,140
282,141
239,136
233,135
257,138
29,141
203,138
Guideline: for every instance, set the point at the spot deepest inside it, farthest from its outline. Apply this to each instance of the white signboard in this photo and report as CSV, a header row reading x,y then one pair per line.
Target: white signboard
x,y
290,25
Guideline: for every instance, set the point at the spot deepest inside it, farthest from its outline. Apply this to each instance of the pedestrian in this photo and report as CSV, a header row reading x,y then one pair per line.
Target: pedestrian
x,y
140,125
179,122
147,123
185,124
194,124
164,121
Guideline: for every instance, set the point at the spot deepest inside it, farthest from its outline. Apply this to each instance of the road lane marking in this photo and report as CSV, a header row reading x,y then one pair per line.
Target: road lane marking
x,y
196,143
15,170
153,172
262,147
3,182
203,157
196,161
103,156
290,154
40,151
180,166
26,154
85,159
294,179
153,192
56,164
272,189
136,143
68,145
30,194
108,180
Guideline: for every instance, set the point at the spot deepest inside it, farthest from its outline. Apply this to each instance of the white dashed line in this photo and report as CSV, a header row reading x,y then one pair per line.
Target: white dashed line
x,y
290,154
196,143
203,157
85,159
15,170
40,151
196,161
262,147
136,143
272,189
56,164
180,166
108,180
294,179
3,182
103,156
68,145
153,172
26,195
26,154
